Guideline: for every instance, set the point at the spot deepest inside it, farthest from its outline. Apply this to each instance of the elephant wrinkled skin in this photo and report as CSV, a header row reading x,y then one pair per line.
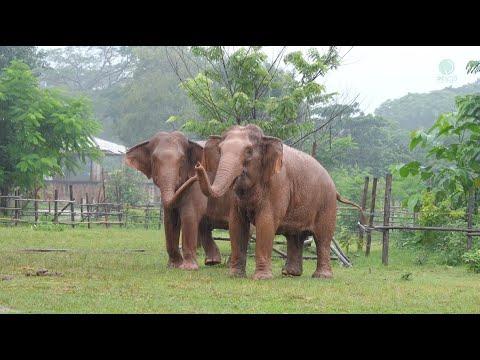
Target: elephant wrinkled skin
x,y
170,158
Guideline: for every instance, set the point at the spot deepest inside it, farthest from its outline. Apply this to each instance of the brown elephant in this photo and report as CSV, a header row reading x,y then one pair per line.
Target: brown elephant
x,y
278,189
170,158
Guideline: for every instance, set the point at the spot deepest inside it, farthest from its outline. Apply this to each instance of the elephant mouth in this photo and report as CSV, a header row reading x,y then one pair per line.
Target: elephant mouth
x,y
242,184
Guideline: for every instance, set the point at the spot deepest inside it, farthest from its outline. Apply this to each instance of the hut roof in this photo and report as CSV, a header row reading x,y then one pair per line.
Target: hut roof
x,y
109,147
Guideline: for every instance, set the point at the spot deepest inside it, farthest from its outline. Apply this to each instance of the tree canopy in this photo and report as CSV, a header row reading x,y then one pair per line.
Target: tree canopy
x,y
243,86
42,131
420,110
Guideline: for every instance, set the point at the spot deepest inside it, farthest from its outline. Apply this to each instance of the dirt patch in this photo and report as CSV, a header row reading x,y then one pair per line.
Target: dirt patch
x,y
6,277
4,309
43,272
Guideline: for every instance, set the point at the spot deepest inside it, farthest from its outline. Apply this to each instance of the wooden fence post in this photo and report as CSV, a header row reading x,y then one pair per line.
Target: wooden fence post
x,y
471,198
55,207
17,204
88,210
120,213
72,205
81,209
372,214
106,209
386,218
363,203
35,207
146,216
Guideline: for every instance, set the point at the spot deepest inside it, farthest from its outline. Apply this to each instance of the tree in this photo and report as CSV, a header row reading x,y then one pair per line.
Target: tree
x,y
242,86
356,140
151,98
99,72
88,68
42,131
452,168
30,55
414,111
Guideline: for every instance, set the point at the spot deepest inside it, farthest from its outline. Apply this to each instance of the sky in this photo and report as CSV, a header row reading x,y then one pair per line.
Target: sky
x,y
379,73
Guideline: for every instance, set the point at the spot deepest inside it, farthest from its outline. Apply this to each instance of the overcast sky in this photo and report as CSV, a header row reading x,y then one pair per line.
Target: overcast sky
x,y
379,73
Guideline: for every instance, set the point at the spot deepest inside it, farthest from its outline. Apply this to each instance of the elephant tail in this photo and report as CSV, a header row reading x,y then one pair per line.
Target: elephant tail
x,y
363,218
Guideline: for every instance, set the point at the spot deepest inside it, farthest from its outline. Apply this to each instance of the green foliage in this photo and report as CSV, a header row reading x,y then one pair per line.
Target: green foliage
x,y
473,67
30,55
365,141
101,73
447,247
243,87
151,98
41,131
345,237
125,186
452,166
419,110
472,259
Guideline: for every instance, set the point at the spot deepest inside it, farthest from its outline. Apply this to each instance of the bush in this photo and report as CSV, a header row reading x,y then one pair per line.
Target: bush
x,y
125,186
472,259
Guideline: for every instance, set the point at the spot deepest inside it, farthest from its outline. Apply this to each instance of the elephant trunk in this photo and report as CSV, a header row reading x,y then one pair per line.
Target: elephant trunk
x,y
170,197
229,168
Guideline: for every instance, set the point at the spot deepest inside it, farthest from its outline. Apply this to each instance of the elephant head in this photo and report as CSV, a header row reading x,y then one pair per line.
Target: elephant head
x,y
242,158
168,158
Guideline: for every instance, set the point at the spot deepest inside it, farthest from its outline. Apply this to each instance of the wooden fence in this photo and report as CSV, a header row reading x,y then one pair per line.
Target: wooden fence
x,y
82,212
390,214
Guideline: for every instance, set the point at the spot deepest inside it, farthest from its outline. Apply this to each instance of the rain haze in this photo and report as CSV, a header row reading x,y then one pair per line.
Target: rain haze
x,y
149,179
379,73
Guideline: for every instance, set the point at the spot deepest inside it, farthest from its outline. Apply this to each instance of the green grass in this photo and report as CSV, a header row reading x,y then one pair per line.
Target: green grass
x,y
99,277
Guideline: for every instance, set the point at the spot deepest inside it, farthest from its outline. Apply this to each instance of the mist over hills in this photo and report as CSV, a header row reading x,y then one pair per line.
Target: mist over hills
x,y
417,110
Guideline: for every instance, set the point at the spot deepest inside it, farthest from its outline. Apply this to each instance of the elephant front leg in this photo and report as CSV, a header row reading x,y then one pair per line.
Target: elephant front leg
x,y
239,229
171,223
189,243
293,265
265,234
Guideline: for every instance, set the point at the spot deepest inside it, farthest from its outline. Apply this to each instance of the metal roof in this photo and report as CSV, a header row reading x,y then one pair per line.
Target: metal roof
x,y
110,147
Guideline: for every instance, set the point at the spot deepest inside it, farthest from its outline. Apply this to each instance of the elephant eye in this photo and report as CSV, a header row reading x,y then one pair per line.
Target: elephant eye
x,y
249,151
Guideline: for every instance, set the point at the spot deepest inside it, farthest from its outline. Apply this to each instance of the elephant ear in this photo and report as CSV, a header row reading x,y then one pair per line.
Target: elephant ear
x,y
211,154
139,157
272,156
195,152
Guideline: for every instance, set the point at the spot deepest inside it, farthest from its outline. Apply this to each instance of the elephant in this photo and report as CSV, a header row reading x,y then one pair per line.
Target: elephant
x,y
280,190
169,159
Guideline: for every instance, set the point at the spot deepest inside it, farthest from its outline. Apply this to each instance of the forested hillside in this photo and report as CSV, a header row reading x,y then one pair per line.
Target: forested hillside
x,y
416,110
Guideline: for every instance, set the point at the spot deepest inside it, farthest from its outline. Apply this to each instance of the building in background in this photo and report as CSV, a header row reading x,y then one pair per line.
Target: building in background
x,y
90,179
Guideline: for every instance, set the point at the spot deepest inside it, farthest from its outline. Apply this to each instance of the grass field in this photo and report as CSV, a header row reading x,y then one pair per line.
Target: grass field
x,y
97,275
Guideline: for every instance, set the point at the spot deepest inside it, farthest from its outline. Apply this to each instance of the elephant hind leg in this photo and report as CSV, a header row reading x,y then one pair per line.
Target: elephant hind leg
x,y
323,235
294,263
212,253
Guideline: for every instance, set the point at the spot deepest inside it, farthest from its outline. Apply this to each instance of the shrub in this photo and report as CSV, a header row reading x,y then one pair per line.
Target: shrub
x,y
472,259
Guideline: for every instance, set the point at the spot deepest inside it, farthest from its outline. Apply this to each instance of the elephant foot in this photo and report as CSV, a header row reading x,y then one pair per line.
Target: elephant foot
x,y
237,273
323,274
262,275
213,261
291,271
174,264
189,265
